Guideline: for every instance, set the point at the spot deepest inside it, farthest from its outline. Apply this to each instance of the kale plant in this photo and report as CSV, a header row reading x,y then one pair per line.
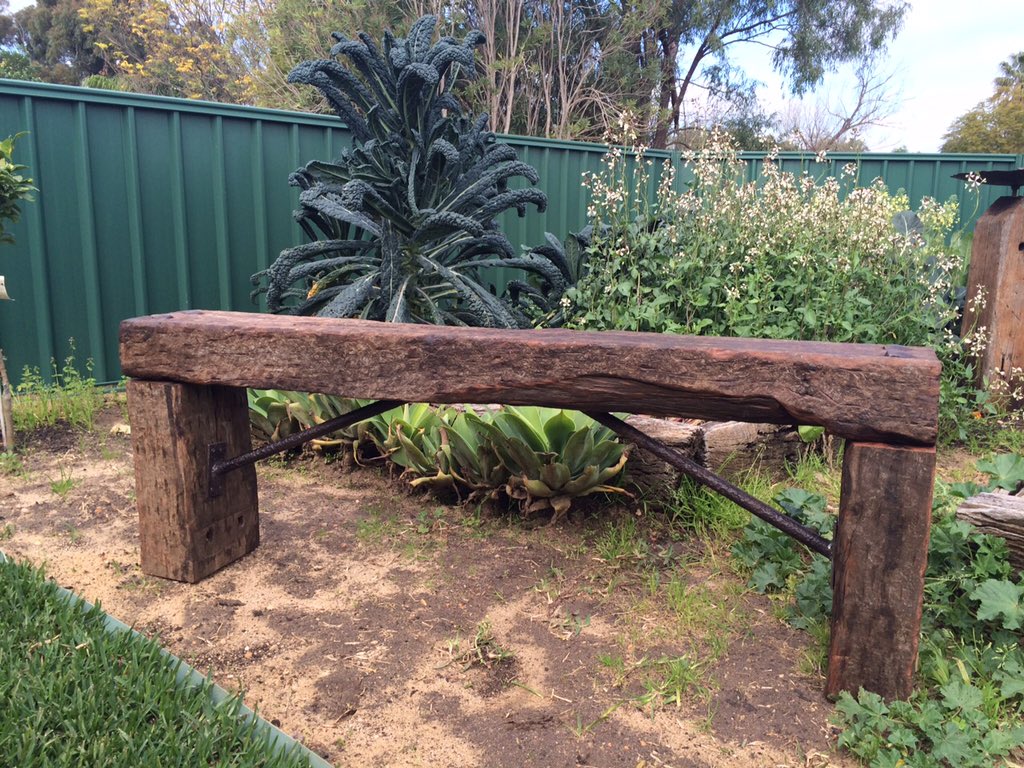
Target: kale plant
x,y
402,224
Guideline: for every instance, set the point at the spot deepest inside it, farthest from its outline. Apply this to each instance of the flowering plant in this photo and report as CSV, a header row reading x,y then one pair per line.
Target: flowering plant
x,y
784,256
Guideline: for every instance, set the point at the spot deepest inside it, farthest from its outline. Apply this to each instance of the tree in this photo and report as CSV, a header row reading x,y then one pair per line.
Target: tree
x,y
54,40
996,124
167,47
272,36
809,38
837,125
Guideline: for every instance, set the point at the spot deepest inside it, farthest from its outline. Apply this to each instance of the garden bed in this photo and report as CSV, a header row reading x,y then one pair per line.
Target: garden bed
x,y
385,629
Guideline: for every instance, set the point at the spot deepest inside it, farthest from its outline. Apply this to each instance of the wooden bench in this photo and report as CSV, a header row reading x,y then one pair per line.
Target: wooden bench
x,y
189,372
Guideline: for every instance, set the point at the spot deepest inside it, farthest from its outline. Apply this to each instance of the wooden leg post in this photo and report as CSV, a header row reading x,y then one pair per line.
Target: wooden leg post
x,y
879,557
183,533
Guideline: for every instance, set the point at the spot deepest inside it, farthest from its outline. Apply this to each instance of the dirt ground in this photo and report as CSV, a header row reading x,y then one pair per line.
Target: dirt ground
x,y
386,629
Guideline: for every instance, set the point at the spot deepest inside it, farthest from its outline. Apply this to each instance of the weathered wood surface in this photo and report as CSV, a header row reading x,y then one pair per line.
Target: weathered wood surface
x,y
879,557
865,392
997,273
1001,515
183,534
729,448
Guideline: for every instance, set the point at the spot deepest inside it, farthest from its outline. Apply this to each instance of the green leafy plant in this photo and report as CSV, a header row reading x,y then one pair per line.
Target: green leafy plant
x,y
63,486
401,225
15,187
553,456
541,457
970,700
275,414
783,256
70,396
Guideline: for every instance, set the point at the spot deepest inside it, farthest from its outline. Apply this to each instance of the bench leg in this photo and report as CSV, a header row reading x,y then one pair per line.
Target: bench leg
x,y
184,534
879,557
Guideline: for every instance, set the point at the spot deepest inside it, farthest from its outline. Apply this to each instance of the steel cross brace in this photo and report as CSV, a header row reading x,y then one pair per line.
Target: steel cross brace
x,y
806,536
218,466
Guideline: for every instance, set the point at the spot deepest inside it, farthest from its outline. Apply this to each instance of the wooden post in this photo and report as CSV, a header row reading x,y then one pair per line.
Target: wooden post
x,y
997,273
184,534
880,554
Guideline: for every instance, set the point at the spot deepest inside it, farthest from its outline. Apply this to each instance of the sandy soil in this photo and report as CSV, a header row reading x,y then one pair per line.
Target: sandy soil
x,y
387,629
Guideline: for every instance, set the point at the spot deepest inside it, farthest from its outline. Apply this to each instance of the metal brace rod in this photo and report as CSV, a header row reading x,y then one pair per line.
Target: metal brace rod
x,y
218,466
706,477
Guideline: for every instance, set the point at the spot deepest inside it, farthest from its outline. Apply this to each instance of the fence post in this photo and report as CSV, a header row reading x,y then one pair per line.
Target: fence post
x,y
995,287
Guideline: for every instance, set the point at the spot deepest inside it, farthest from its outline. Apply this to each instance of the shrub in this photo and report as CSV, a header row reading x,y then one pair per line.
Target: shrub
x,y
15,188
402,224
782,257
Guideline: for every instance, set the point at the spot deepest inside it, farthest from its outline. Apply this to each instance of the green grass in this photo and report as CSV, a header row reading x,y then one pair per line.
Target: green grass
x,y
70,396
63,486
75,694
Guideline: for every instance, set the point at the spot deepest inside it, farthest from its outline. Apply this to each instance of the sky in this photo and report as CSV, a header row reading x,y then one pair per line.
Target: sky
x,y
944,61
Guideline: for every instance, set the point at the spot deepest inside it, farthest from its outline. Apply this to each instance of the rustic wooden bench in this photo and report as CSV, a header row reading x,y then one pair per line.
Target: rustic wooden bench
x,y
187,407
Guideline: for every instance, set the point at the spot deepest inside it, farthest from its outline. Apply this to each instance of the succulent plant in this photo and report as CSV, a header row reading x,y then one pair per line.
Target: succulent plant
x,y
542,457
554,456
276,413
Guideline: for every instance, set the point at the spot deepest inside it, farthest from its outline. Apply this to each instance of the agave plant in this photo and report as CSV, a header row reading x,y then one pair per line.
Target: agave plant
x,y
402,224
411,437
554,456
276,413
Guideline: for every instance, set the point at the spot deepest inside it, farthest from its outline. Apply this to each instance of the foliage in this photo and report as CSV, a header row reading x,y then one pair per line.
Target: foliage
x,y
269,37
401,224
75,693
997,123
691,42
52,38
15,187
276,414
552,456
163,47
783,257
971,698
541,457
70,396
18,66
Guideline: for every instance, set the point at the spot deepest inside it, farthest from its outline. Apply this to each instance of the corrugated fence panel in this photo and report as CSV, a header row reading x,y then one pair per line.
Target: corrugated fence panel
x,y
150,204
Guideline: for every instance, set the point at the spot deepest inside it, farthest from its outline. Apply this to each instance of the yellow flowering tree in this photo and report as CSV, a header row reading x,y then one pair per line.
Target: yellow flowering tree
x,y
167,47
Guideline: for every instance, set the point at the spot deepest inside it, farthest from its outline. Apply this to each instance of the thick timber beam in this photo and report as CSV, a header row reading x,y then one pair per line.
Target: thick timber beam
x,y
879,558
858,391
184,534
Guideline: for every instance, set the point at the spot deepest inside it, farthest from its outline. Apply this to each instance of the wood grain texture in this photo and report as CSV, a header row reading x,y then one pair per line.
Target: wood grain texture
x,y
856,391
997,273
1000,515
880,553
183,534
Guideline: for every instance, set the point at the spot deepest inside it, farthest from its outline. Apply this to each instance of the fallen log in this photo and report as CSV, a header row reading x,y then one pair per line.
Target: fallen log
x,y
999,515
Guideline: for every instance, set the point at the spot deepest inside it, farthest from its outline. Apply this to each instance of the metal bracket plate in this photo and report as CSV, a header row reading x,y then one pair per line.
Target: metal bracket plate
x,y
215,453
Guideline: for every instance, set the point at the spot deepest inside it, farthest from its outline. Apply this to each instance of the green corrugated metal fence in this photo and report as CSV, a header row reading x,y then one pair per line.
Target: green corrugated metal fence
x,y
149,204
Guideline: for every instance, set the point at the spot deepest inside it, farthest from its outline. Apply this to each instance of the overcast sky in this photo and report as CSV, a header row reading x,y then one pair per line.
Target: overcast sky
x,y
944,62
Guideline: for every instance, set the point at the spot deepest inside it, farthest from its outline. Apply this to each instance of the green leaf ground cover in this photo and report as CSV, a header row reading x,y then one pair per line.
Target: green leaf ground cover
x,y
75,694
969,705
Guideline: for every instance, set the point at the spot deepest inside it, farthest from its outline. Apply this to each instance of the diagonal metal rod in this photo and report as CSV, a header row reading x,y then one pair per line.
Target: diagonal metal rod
x,y
219,467
706,477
